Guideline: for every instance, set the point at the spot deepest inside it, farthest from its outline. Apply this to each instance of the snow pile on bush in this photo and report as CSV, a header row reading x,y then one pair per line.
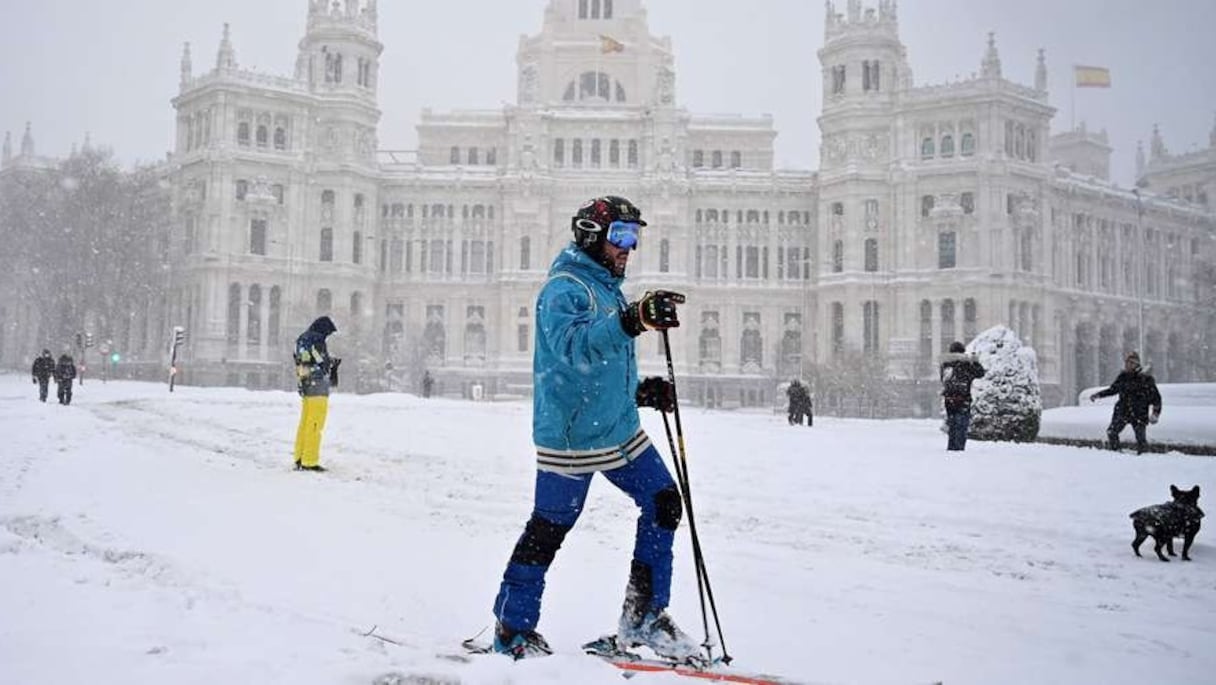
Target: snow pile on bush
x,y
1007,404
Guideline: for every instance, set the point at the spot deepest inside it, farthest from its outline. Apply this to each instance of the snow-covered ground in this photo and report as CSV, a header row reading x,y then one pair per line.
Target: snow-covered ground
x,y
1188,417
156,538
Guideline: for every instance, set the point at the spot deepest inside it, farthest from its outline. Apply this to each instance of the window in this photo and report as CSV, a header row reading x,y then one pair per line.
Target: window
x,y
582,9
947,145
967,200
614,153
280,139
1008,138
233,328
969,320
559,152
946,250
257,236
595,153
242,134
698,158
736,160
837,209
273,325
837,328
327,244
595,9
947,325
633,154
717,157
262,136
968,145
926,205
474,156
325,301
454,155
926,331
871,246
188,242
871,210
356,252
576,152
607,9
521,337
870,326
838,79
926,148
752,262
253,328
838,256
242,188
664,255
869,75
277,191
492,156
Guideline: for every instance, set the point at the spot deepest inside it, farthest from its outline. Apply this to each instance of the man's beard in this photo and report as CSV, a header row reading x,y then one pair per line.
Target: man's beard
x,y
616,269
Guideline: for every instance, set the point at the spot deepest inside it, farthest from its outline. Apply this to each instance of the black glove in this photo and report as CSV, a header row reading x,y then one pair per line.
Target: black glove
x,y
333,371
656,310
657,392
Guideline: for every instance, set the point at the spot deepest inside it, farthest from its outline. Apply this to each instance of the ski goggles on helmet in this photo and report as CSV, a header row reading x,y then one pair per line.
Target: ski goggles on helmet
x,y
623,234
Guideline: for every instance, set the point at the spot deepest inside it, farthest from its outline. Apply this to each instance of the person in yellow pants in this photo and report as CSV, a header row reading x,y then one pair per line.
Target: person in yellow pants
x,y
316,373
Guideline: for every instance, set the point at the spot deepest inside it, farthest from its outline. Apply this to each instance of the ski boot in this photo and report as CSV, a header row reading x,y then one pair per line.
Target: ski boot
x,y
519,644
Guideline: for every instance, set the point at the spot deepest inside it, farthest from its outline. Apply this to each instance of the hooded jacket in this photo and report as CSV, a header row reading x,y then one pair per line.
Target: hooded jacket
x,y
958,370
312,358
584,370
1137,391
44,367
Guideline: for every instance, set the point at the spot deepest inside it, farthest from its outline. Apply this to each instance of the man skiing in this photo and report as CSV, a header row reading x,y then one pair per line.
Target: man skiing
x,y
43,369
958,370
1137,392
65,371
585,420
316,372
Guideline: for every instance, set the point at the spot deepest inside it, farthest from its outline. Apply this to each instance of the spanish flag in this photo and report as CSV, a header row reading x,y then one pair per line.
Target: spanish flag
x,y
610,44
1092,77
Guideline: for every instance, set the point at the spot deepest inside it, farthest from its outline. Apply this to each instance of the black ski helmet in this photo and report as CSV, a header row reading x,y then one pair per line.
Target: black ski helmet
x,y
590,223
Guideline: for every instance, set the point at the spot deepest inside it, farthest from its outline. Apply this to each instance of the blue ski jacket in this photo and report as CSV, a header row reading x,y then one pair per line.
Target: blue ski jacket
x,y
584,371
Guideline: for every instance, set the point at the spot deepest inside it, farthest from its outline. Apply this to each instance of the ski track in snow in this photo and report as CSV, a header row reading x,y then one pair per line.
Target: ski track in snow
x,y
863,537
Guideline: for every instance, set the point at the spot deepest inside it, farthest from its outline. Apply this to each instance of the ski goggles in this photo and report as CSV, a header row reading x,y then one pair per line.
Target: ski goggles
x,y
623,234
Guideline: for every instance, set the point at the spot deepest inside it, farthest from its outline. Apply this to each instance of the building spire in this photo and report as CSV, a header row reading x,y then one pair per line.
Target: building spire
x,y
1157,146
1212,135
1040,73
187,67
991,66
1139,158
7,153
226,57
27,142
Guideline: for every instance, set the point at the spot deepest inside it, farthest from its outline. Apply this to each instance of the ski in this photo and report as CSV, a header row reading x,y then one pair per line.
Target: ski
x,y
608,650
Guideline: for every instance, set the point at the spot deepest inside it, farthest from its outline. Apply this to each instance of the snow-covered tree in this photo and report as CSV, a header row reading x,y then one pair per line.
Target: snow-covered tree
x,y
1006,402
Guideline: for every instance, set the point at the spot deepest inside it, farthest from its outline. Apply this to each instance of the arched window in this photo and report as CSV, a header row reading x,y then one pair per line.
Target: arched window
x,y
595,152
325,301
947,145
454,155
253,326
664,255
969,319
273,326
525,253
968,145
576,152
838,256
633,154
614,153
717,159
242,134
263,136
698,158
280,139
559,152
356,251
926,331
870,326
837,328
233,328
947,324
946,250
871,246
474,156
242,188
926,205
327,245
926,148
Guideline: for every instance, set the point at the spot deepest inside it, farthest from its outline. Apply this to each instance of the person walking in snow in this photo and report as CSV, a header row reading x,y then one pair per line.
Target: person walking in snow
x,y
799,403
65,371
958,370
316,373
43,369
1137,391
584,421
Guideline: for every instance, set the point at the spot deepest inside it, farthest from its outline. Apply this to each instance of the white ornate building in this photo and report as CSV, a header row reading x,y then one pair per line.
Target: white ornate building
x,y
937,212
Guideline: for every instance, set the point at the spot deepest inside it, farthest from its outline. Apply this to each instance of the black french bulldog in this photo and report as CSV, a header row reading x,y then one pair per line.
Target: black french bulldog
x,y
1164,521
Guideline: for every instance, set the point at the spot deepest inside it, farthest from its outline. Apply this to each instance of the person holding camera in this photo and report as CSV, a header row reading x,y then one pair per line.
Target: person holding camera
x,y
316,373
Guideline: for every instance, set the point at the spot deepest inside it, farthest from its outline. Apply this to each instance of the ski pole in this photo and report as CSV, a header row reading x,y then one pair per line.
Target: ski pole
x,y
681,460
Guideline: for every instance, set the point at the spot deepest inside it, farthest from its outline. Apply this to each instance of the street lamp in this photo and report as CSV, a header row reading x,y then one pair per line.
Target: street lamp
x,y
1140,274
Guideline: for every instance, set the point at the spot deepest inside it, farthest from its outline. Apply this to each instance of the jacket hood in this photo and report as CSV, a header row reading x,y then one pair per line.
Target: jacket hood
x,y
323,325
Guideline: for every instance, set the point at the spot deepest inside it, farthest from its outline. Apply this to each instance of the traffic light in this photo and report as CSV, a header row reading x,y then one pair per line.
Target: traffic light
x,y
115,358
79,341
88,339
179,335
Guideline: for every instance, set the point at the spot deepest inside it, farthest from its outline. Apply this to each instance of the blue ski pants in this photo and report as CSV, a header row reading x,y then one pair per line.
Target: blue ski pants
x,y
559,501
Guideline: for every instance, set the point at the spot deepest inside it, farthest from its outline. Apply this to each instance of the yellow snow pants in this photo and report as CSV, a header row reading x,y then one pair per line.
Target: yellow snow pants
x,y
308,435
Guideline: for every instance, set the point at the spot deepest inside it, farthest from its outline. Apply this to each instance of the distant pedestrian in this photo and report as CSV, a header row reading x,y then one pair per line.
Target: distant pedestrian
x,y
316,373
428,383
958,370
1137,391
43,369
799,404
65,371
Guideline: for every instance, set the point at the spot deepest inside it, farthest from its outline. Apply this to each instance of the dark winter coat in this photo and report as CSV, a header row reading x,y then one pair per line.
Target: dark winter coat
x,y
1137,391
957,372
313,363
65,370
800,399
44,367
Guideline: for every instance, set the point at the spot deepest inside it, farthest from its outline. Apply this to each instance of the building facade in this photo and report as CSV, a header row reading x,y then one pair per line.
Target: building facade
x,y
938,211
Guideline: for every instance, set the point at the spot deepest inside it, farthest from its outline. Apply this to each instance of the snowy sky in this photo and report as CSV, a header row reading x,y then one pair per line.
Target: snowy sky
x,y
72,66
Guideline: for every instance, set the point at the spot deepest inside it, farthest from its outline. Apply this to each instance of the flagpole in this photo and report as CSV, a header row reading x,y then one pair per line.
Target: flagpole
x,y
1072,102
